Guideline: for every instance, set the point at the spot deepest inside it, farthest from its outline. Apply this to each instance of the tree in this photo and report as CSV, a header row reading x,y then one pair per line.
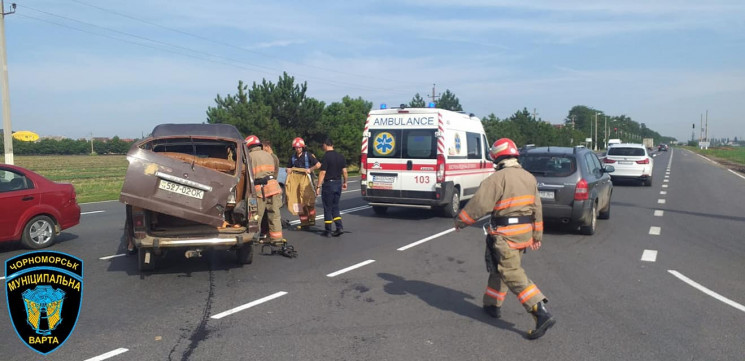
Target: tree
x,y
344,122
417,102
449,101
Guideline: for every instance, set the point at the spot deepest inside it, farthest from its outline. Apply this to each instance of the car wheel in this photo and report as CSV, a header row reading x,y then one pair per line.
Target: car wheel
x,y
245,254
605,213
589,229
380,210
38,233
453,207
146,259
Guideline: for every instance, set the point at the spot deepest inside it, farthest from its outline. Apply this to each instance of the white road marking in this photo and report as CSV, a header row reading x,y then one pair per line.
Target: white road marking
x,y
707,291
664,186
661,201
114,256
655,231
663,192
735,173
248,305
350,210
665,180
358,265
113,200
713,162
649,255
425,239
667,176
659,213
109,354
91,212
2,278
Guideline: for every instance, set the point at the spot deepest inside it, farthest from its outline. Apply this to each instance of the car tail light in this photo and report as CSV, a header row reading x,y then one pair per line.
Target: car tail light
x,y
609,161
581,192
440,175
363,167
643,161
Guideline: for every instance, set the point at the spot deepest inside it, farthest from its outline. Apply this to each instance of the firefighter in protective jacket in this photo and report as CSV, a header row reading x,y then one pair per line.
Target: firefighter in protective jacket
x,y
511,196
266,186
300,190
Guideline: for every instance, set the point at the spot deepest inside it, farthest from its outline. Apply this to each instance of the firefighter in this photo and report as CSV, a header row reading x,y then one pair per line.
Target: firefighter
x,y
301,195
511,196
267,146
268,191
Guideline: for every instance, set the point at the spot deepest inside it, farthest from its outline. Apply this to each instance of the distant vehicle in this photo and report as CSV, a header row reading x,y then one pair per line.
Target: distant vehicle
x,y
648,143
632,162
34,209
422,158
613,141
190,187
662,147
573,184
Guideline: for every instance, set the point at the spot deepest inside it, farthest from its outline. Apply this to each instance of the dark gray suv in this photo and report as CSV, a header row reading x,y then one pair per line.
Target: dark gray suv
x,y
574,186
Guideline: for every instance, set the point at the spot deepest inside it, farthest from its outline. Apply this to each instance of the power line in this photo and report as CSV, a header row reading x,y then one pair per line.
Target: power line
x,y
332,82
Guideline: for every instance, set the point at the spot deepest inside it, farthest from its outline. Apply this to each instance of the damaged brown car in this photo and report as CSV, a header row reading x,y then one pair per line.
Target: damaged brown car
x,y
189,187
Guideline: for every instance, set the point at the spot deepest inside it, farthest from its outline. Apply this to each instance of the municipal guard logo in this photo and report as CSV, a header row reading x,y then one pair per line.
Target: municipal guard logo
x,y
44,292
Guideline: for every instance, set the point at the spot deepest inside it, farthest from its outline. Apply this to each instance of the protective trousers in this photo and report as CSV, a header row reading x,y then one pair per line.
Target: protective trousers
x,y
269,207
330,194
508,275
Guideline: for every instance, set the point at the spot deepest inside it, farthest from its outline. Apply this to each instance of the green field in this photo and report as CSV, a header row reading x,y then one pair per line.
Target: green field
x,y
96,178
732,154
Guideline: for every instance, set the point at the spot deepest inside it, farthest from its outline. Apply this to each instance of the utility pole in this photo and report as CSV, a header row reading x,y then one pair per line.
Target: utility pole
x,y
535,114
701,129
706,135
605,128
7,126
595,144
434,96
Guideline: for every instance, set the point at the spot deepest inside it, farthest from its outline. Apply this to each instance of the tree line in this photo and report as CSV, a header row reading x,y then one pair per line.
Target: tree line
x,y
67,146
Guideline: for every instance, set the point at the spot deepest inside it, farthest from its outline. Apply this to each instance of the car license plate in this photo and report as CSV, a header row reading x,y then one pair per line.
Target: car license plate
x,y
546,194
625,162
384,178
181,189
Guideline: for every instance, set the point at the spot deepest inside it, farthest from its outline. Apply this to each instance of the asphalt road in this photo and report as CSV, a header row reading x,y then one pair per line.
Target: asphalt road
x,y
662,279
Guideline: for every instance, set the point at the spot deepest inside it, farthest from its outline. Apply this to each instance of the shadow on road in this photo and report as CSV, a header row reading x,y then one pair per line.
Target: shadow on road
x,y
443,298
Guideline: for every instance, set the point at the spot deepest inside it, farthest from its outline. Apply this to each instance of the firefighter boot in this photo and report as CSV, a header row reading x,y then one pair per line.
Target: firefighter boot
x,y
493,311
543,321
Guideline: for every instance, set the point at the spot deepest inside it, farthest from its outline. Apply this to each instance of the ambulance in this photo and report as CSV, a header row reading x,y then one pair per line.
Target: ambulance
x,y
422,158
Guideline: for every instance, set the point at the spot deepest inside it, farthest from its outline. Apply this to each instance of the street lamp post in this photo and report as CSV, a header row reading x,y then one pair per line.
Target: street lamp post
x,y
605,129
595,143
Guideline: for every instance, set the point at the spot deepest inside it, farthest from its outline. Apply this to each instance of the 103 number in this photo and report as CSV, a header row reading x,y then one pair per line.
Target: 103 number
x,y
422,179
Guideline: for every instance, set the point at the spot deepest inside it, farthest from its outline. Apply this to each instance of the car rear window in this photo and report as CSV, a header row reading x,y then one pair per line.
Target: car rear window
x,y
549,165
626,151
403,143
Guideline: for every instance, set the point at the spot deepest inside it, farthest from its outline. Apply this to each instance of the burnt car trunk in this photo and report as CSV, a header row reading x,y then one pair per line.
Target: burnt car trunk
x,y
181,185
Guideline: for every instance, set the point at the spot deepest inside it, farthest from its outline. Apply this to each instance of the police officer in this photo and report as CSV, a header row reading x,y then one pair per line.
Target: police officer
x,y
268,191
301,196
511,196
331,180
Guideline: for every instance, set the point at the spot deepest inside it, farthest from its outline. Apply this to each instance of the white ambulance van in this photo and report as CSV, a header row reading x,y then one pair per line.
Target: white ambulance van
x,y
423,158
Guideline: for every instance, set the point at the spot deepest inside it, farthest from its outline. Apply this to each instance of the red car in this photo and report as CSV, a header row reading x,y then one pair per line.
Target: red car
x,y
34,209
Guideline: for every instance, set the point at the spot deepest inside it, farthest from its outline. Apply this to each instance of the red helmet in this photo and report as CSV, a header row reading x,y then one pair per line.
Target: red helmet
x,y
252,140
298,142
503,147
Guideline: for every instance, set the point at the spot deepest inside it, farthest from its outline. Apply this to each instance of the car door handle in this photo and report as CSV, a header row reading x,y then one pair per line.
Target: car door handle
x,y
27,198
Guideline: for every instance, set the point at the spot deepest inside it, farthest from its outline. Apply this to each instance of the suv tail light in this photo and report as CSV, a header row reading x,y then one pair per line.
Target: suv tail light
x,y
609,161
440,175
363,167
643,161
581,191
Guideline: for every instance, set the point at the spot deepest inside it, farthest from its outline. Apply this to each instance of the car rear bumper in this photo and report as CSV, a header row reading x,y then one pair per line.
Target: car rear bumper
x,y
577,213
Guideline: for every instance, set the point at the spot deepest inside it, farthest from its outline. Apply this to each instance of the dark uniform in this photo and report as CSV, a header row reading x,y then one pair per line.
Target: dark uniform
x,y
331,180
511,196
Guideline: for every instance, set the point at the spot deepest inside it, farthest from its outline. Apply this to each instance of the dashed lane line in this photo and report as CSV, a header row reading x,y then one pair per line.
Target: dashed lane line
x,y
655,231
350,210
659,213
707,291
663,192
91,212
113,256
649,255
425,239
109,354
249,305
661,201
345,270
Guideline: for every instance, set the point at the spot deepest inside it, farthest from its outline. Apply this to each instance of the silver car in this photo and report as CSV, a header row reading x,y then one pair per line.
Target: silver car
x,y
574,186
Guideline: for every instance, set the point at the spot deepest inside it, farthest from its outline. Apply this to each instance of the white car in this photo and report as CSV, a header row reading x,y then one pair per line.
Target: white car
x,y
631,162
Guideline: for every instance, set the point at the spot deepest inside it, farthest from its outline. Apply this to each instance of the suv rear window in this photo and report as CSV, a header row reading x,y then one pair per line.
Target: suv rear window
x,y
626,151
549,165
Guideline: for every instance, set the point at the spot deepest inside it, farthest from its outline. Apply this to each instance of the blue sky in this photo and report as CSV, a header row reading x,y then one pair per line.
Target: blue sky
x,y
82,67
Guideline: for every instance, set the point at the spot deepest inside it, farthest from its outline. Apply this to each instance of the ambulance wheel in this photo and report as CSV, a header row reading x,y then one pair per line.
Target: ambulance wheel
x,y
245,254
380,210
143,255
451,209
